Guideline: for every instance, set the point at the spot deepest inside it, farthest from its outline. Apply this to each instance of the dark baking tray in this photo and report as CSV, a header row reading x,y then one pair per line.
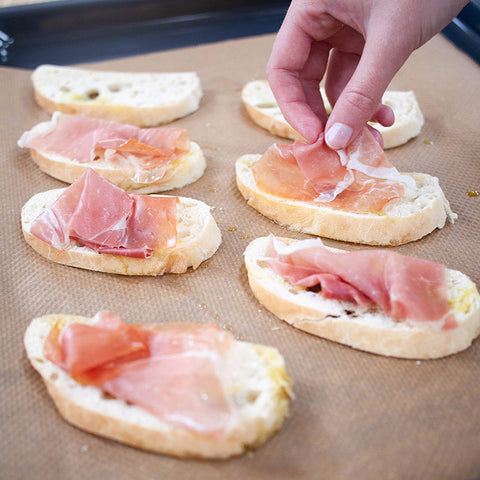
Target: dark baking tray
x,y
75,31
464,30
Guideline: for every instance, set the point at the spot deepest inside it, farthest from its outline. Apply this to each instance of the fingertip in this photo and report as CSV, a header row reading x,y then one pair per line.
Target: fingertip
x,y
310,128
384,115
310,134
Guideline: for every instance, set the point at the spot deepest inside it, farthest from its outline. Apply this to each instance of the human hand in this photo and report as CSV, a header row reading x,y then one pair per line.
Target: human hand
x,y
358,46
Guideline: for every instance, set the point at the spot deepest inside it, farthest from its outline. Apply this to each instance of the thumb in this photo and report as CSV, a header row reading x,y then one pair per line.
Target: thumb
x,y
362,95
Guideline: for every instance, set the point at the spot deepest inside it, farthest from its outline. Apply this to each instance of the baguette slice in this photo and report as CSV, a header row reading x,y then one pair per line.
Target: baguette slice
x,y
263,109
371,331
408,118
402,220
142,99
184,170
198,238
260,389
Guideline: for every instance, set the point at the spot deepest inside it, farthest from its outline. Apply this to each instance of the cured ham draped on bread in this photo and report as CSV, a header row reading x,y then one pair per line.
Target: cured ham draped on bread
x,y
158,371
144,160
176,388
375,300
93,223
357,179
95,213
405,288
354,194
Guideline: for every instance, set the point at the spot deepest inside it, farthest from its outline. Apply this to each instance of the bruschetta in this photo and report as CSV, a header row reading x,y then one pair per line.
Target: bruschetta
x,y
187,390
96,225
376,300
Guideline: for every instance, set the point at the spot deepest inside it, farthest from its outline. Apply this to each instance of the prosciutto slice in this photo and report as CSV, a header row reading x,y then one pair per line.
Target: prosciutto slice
x,y
359,178
96,213
171,370
84,140
404,287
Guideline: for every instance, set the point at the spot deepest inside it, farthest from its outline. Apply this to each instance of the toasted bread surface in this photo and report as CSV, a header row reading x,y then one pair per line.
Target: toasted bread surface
x,y
142,99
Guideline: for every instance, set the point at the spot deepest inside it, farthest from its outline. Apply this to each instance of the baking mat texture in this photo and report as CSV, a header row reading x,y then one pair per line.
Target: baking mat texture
x,y
355,415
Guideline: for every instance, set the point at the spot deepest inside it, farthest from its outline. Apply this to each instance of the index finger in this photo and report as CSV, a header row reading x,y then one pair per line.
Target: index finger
x,y
291,78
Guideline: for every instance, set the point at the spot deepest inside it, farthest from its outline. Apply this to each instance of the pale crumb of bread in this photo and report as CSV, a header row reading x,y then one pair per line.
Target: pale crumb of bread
x,y
198,238
263,109
260,389
403,220
142,99
408,118
361,328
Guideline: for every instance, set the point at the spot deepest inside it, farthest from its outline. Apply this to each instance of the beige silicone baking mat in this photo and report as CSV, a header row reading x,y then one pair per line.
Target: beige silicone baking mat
x,y
355,415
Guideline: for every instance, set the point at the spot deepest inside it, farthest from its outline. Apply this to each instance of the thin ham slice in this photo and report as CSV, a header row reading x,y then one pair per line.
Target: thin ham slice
x,y
404,287
93,355
171,370
97,214
359,178
181,389
84,139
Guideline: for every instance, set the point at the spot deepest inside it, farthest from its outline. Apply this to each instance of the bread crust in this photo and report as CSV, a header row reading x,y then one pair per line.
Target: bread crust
x,y
86,407
272,123
374,332
198,238
395,225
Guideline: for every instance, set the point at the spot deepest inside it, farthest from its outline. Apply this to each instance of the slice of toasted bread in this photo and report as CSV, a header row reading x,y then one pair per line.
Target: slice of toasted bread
x,y
258,387
372,331
198,238
263,109
183,170
142,99
402,220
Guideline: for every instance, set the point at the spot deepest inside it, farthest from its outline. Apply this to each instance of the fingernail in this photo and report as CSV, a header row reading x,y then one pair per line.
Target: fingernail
x,y
338,135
